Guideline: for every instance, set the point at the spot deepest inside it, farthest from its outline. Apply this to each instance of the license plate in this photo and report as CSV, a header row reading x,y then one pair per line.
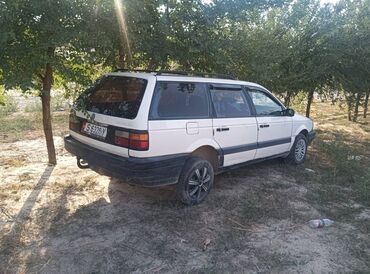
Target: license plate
x,y
94,130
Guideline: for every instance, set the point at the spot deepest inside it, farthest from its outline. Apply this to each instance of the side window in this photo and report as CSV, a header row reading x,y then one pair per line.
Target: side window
x,y
230,103
174,100
264,104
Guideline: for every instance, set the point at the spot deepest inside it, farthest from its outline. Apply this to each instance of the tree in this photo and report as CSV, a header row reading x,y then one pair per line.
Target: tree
x,y
187,35
128,34
38,40
366,103
350,43
285,49
311,59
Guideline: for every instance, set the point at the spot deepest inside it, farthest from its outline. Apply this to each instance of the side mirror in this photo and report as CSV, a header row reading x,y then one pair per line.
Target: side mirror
x,y
289,112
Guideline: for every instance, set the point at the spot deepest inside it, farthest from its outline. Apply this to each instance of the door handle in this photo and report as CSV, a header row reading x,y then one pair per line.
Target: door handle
x,y
223,129
264,125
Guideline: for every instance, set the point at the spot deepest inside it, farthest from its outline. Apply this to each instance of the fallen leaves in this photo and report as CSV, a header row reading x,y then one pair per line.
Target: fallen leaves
x,y
206,243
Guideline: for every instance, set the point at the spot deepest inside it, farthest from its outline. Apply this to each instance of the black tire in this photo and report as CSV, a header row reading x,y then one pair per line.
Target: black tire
x,y
195,181
298,152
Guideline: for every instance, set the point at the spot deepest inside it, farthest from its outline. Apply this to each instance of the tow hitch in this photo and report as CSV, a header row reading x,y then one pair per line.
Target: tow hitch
x,y
81,163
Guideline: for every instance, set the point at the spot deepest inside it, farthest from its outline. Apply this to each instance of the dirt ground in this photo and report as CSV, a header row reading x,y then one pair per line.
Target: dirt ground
x,y
65,220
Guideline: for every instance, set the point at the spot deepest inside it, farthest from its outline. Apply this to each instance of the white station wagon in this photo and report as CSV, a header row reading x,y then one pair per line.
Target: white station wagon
x,y
161,128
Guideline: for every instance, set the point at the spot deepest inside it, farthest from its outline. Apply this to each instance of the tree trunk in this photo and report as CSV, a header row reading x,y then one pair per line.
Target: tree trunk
x,y
309,102
151,64
355,113
46,115
121,57
366,105
168,20
349,101
287,98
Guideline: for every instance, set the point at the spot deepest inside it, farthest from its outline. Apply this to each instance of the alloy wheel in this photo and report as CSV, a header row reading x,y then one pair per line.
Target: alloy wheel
x,y
199,183
300,150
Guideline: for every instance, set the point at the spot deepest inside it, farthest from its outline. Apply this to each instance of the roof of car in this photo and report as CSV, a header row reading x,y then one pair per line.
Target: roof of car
x,y
180,77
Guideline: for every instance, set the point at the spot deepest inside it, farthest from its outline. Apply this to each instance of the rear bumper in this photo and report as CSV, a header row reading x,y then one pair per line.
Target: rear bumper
x,y
152,171
311,135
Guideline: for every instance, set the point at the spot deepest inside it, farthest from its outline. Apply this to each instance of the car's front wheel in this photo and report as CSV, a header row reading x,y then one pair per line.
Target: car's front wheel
x,y
298,151
195,182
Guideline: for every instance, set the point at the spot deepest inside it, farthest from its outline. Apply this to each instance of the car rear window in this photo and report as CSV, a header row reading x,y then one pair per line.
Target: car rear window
x,y
117,96
179,100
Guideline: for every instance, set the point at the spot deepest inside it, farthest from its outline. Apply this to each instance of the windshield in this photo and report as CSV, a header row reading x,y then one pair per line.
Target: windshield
x,y
117,96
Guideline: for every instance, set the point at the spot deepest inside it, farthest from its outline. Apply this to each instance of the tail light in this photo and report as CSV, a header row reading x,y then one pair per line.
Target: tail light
x,y
74,122
136,141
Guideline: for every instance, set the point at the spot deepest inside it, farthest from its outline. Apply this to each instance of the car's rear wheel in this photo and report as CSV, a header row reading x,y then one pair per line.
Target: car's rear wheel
x,y
195,182
298,151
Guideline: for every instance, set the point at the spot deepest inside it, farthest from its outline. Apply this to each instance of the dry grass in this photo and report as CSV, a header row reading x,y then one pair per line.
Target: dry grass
x,y
14,162
20,126
25,177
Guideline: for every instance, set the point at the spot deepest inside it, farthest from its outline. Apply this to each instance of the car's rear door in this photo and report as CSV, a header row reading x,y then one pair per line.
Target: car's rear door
x,y
234,127
274,129
179,119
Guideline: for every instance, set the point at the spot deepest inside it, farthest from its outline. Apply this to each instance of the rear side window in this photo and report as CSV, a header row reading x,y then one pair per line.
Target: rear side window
x,y
115,96
229,103
178,100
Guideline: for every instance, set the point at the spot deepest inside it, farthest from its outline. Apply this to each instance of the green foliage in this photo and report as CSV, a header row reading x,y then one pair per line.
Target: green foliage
x,y
299,102
8,104
35,33
2,96
288,46
188,35
59,102
352,37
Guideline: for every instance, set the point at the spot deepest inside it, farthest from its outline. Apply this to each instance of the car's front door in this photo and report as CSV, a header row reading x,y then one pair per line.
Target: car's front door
x,y
274,129
234,126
